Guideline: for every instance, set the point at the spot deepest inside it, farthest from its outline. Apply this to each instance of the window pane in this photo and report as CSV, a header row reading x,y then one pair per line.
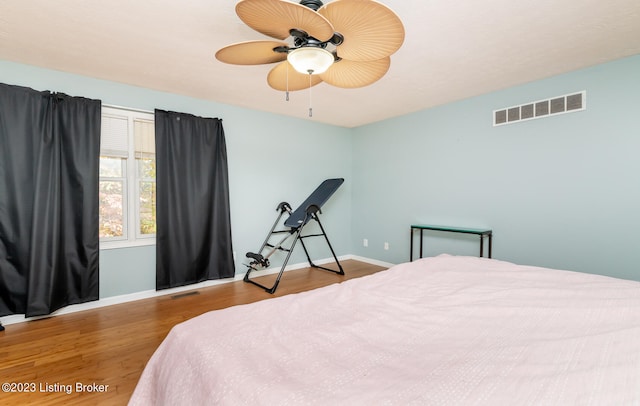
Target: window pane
x,y
144,136
111,167
146,168
147,195
111,209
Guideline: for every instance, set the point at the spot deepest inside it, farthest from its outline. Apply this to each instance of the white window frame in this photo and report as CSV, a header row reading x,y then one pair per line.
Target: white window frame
x,y
131,222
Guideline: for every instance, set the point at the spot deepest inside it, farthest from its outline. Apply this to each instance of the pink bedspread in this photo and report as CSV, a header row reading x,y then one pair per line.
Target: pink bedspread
x,y
438,331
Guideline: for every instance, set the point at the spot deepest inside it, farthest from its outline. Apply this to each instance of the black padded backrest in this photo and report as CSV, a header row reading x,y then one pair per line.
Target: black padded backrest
x,y
318,197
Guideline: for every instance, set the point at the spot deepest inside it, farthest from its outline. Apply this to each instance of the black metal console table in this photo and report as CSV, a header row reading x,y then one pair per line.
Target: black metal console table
x,y
477,231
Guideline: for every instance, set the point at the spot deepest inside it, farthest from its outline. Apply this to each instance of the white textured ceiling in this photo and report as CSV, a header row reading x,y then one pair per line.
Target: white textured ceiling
x,y
452,50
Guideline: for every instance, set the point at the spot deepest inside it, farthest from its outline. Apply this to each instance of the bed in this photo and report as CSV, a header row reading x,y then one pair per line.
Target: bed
x,y
444,330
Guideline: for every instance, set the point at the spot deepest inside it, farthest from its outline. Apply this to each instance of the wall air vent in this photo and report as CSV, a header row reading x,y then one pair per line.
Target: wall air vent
x,y
541,108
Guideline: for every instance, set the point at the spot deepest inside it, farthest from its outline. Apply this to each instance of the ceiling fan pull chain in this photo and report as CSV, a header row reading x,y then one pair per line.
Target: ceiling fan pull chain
x,y
287,85
310,108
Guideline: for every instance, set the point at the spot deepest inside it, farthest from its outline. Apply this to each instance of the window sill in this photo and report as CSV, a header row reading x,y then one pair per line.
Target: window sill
x,y
110,245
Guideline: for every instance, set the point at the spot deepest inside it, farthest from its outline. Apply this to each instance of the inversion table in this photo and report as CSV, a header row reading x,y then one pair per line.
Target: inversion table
x,y
308,210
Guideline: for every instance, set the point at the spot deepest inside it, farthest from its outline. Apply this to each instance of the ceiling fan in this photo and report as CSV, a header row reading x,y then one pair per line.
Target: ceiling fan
x,y
346,43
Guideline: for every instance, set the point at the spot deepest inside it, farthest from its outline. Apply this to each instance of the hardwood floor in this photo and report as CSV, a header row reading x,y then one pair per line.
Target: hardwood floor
x,y
106,349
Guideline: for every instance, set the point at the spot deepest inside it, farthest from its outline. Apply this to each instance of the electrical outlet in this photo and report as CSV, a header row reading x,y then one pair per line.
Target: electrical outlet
x,y
365,243
386,245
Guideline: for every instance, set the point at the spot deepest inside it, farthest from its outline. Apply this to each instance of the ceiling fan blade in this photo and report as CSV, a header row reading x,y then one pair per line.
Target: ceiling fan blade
x,y
371,30
252,53
350,74
284,77
276,17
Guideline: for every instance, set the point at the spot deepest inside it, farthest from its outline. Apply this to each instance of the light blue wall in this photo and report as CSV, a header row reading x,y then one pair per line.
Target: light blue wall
x,y
562,191
271,159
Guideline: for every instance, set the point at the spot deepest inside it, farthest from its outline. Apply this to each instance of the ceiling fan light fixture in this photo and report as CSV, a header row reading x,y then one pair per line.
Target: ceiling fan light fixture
x,y
310,60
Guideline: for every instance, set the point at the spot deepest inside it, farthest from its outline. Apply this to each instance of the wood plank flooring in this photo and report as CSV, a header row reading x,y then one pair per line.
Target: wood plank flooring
x,y
106,349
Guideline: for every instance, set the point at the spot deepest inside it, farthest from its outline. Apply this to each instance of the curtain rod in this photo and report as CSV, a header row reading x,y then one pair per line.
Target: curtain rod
x,y
113,106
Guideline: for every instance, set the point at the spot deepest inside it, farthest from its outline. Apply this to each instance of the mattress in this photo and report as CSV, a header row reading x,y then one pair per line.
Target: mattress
x,y
445,330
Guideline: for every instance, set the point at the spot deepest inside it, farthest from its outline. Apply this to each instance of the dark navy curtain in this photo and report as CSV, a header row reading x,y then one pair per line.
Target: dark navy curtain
x,y
49,163
193,235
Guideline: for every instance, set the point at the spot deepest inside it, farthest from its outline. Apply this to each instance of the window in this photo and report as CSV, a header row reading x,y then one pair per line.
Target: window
x,y
127,178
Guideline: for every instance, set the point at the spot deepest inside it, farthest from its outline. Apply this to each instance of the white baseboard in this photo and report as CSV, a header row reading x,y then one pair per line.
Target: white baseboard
x,y
147,294
372,261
